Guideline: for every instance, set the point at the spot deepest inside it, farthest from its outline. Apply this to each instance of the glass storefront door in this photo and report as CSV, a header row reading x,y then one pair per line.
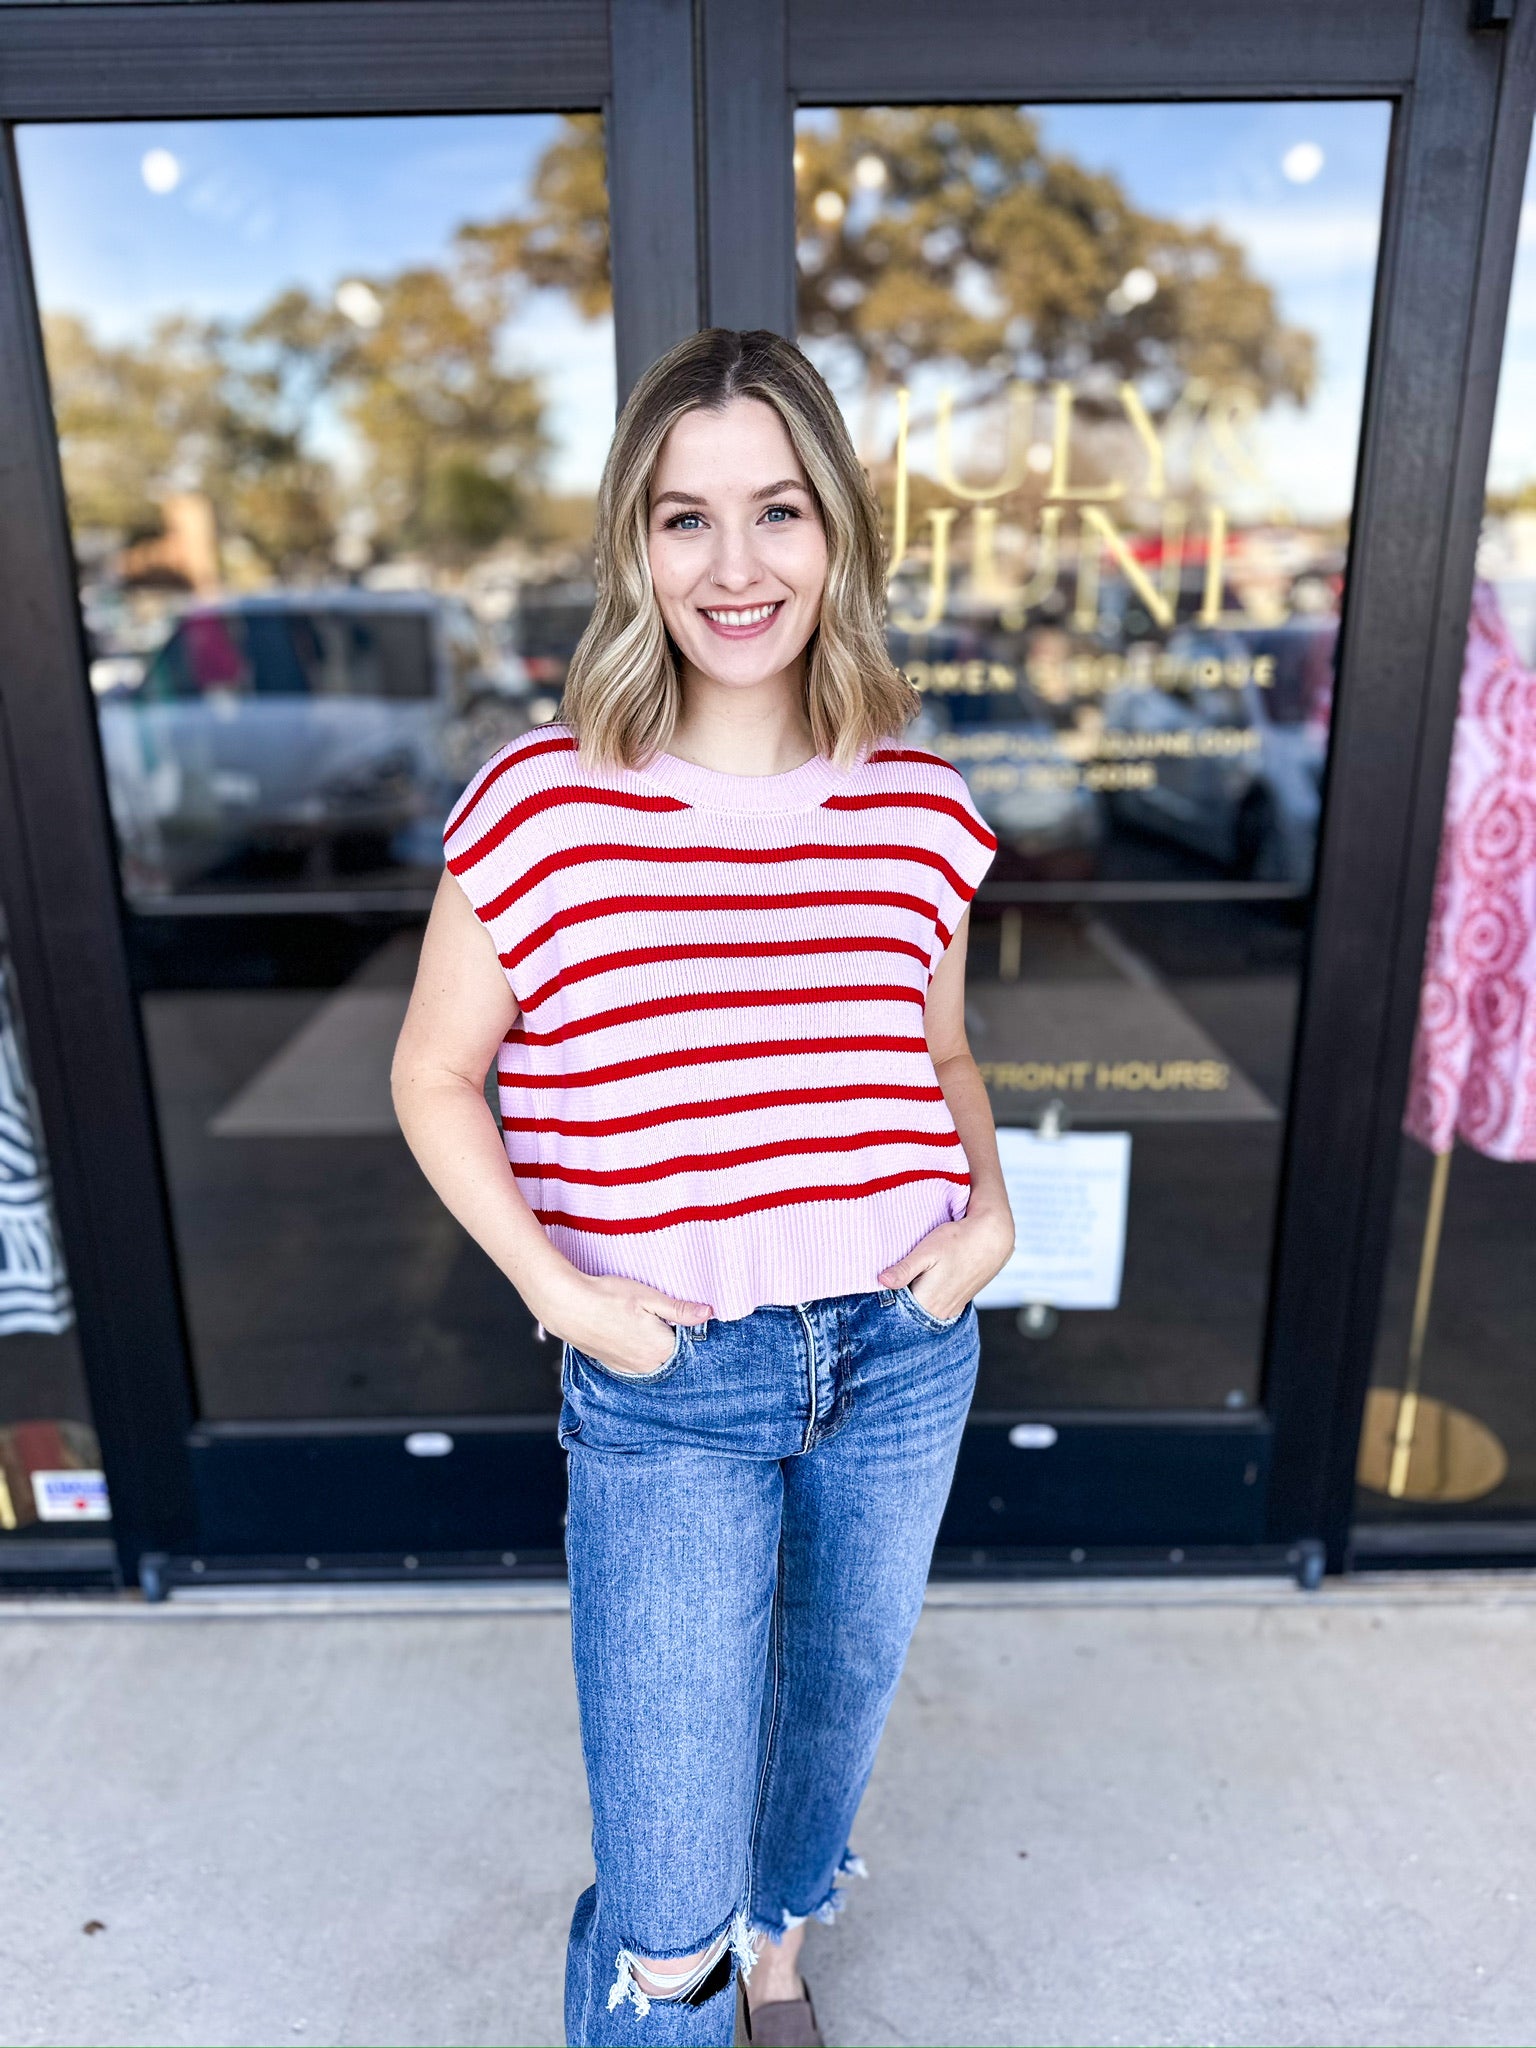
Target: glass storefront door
x,y
1156,353
332,397
1450,1431
1139,339
52,1485
1107,368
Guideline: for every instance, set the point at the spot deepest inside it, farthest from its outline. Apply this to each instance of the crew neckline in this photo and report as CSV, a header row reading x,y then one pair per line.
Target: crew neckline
x,y
802,788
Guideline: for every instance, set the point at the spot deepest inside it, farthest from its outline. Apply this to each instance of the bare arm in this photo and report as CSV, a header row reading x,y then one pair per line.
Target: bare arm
x,y
966,1254
960,1078
461,1009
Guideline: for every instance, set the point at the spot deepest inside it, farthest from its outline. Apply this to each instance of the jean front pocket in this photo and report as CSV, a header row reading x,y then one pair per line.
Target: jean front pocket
x,y
568,1423
929,1321
663,1371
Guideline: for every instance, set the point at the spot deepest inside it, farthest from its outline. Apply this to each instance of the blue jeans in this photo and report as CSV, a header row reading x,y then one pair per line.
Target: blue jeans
x,y
749,1537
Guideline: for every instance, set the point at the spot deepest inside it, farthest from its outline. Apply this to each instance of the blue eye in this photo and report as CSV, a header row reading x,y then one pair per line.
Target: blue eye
x,y
789,511
675,523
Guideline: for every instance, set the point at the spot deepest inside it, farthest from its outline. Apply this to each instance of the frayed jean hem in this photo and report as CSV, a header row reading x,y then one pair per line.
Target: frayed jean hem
x,y
826,1910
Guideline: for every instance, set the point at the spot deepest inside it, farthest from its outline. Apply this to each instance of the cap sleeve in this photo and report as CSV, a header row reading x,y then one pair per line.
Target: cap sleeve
x,y
492,845
968,845
973,843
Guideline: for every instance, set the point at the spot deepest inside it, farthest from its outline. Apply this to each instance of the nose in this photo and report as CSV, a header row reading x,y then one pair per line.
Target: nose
x,y
734,566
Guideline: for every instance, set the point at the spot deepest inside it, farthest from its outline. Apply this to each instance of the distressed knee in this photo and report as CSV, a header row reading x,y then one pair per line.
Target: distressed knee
x,y
668,1978
644,1980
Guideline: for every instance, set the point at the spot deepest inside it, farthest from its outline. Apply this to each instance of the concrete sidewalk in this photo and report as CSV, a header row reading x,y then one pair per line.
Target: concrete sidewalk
x,y
1181,1813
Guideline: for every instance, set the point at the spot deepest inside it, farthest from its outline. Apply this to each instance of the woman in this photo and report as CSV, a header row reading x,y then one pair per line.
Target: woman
x,y
713,922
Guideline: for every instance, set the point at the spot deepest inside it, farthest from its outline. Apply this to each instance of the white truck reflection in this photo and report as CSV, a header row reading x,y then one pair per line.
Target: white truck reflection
x,y
331,724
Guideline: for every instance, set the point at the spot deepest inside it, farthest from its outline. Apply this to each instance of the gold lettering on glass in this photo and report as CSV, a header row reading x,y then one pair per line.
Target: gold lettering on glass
x,y
1047,573
1061,456
1102,527
1146,433
1215,557
899,519
1015,567
940,520
1015,447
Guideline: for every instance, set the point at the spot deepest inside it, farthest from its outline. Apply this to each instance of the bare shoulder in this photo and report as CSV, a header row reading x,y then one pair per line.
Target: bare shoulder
x,y
461,1005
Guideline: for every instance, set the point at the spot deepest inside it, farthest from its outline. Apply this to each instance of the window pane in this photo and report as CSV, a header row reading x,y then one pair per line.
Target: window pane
x,y
332,399
51,1482
1450,1430
1105,365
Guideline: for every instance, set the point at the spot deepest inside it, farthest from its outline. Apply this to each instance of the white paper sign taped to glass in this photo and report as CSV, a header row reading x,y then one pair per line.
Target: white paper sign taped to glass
x,y
71,1497
1069,1197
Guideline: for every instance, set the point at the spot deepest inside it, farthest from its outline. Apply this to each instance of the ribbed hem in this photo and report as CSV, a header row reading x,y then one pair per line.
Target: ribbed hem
x,y
808,1251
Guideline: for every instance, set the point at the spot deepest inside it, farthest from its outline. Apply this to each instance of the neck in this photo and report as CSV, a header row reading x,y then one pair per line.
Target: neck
x,y
743,729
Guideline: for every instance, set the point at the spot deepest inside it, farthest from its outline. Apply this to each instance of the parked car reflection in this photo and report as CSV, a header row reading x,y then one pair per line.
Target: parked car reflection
x,y
1026,783
1240,748
334,726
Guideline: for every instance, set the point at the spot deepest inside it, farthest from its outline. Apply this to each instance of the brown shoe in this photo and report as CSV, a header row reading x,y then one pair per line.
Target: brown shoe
x,y
781,2022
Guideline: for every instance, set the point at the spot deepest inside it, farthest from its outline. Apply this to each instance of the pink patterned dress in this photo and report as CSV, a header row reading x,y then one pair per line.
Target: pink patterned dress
x,y
1474,1058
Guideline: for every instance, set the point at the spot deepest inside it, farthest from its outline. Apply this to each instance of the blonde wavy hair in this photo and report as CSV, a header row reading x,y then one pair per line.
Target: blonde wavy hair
x,y
623,693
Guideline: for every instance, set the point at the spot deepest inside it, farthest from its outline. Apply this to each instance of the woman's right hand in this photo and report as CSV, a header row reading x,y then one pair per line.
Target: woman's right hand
x,y
623,1324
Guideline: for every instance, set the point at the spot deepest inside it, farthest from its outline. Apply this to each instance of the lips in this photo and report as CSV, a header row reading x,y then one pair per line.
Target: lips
x,y
742,622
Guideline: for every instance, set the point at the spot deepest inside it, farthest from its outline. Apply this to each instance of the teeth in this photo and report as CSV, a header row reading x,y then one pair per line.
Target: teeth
x,y
753,617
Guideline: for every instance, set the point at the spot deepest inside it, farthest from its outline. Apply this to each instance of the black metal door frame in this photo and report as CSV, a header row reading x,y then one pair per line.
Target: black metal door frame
x,y
699,96
1439,1542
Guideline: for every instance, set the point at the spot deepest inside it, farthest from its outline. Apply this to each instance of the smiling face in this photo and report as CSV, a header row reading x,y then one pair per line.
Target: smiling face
x,y
737,549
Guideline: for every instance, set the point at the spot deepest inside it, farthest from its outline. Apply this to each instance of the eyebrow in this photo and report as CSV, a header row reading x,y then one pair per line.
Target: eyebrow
x,y
788,483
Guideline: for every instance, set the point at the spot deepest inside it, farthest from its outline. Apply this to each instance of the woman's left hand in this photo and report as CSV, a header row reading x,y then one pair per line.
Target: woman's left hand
x,y
960,1259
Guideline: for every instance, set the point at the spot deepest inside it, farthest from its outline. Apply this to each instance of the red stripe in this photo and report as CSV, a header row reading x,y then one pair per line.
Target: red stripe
x,y
693,1056
728,856
714,999
721,1105
547,799
541,744
736,949
720,1211
715,1162
790,899
908,798
895,753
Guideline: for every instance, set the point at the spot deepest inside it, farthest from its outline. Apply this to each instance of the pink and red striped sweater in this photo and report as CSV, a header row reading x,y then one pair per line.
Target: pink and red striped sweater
x,y
719,1081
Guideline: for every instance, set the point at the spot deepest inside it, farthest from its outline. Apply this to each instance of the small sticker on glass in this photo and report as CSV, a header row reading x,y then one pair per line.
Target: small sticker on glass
x,y
71,1496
